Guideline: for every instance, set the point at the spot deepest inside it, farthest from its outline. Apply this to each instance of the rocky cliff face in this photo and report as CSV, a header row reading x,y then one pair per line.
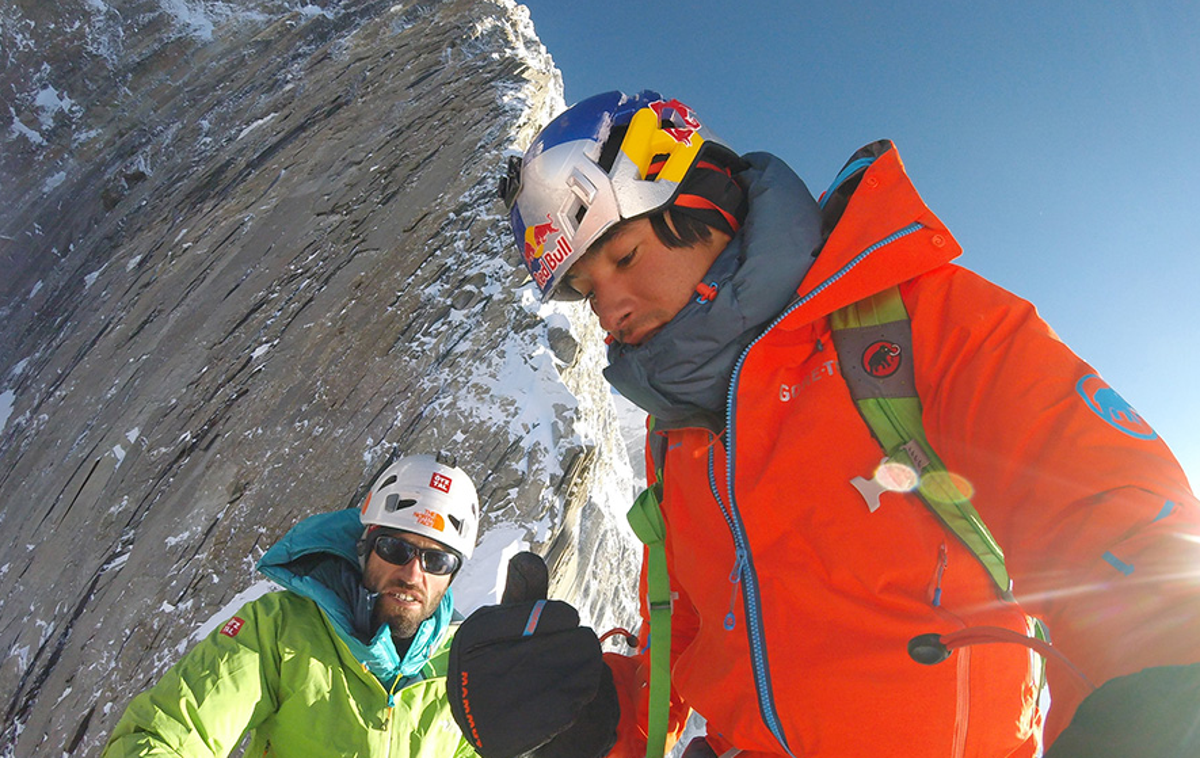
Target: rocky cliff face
x,y
249,249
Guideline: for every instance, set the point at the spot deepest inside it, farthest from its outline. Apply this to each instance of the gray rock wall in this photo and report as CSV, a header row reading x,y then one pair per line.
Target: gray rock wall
x,y
247,254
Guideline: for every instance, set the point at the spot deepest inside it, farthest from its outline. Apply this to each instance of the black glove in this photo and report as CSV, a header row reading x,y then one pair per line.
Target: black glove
x,y
1154,713
526,680
528,579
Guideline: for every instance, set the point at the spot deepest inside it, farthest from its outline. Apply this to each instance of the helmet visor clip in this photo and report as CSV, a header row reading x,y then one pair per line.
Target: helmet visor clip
x,y
510,183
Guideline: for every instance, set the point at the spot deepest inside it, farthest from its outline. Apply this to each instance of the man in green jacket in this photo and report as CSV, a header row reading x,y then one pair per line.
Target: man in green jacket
x,y
350,659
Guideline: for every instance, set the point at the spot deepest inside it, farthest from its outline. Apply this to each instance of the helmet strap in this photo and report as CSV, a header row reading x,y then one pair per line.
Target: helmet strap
x,y
711,195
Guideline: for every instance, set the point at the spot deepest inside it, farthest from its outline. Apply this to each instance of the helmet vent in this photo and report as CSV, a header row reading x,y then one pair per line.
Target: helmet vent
x,y
390,480
608,154
457,523
395,503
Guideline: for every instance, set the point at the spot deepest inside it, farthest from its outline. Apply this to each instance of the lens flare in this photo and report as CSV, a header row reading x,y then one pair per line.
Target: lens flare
x,y
946,487
896,477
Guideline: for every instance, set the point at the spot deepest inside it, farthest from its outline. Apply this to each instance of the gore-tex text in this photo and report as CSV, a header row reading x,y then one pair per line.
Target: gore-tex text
x,y
824,371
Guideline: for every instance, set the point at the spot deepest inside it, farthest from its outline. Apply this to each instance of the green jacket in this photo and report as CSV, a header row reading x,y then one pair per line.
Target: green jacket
x,y
294,669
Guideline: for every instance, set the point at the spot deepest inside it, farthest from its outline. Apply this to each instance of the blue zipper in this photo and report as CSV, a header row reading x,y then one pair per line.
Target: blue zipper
x,y
744,573
741,549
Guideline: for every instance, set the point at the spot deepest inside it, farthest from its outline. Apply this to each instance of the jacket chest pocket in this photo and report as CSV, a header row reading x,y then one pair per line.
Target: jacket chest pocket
x,y
793,412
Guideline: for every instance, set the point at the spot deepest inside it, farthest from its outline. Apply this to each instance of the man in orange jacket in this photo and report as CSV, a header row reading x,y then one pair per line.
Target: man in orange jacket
x,y
824,603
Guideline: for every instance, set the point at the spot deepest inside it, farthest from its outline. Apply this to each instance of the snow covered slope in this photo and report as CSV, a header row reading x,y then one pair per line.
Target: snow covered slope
x,y
249,249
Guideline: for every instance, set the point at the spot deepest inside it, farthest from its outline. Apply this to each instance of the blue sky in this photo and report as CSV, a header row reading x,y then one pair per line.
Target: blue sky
x,y
1056,140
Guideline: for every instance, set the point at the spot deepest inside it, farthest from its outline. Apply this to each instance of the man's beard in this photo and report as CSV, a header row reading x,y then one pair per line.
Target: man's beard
x,y
403,621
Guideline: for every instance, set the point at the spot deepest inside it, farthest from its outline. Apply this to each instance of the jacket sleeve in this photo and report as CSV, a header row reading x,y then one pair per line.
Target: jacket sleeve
x,y
203,705
1095,516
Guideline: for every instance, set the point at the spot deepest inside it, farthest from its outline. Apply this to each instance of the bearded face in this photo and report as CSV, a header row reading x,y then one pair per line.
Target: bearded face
x,y
407,594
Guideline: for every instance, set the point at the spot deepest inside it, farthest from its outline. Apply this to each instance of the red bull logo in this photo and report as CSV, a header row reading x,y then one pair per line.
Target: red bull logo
x,y
540,261
535,241
677,113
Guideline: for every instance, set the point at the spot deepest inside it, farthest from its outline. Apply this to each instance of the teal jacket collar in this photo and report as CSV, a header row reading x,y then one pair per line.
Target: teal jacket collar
x,y
318,559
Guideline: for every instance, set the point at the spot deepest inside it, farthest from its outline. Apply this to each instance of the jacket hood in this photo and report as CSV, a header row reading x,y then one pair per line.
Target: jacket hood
x,y
871,205
681,373
768,270
318,559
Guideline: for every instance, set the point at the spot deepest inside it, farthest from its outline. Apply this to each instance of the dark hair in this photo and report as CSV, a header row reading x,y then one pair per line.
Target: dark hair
x,y
688,230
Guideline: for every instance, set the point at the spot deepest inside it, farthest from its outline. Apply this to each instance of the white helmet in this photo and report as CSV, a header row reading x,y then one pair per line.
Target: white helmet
x,y
610,158
425,495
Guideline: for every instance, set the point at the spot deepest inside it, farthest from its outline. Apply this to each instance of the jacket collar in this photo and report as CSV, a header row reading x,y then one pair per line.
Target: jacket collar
x,y
318,559
879,233
682,375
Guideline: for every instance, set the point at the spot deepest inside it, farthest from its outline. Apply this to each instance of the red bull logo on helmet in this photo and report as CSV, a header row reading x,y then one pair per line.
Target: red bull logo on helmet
x,y
540,261
677,113
535,241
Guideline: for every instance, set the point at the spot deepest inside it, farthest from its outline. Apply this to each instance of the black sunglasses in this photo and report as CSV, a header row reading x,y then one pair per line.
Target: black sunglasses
x,y
399,552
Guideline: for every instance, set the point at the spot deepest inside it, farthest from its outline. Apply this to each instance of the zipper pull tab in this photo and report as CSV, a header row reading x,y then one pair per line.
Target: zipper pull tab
x,y
735,578
943,559
391,703
739,563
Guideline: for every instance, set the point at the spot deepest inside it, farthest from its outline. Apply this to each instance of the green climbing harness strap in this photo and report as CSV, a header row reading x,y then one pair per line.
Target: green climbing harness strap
x,y
647,521
873,339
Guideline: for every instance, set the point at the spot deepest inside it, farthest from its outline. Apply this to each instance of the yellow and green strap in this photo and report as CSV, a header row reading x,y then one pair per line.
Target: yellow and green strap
x,y
892,410
647,521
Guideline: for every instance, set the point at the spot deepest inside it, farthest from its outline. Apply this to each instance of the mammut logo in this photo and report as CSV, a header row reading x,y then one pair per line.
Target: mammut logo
x,y
466,704
1114,409
440,482
881,359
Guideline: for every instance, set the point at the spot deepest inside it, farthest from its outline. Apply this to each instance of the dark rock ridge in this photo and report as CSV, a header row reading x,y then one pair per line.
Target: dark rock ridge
x,y
248,250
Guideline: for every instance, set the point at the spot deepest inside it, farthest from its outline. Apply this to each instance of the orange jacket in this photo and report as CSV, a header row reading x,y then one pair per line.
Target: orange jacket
x,y
810,636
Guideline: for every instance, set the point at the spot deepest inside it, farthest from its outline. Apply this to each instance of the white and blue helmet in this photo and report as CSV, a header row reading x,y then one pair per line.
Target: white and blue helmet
x,y
575,181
